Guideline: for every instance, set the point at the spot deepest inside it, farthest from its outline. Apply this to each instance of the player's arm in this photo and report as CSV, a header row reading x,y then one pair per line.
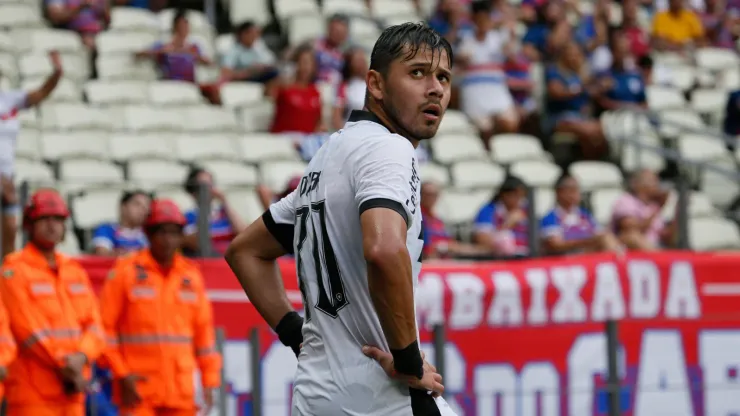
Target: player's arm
x,y
383,181
253,256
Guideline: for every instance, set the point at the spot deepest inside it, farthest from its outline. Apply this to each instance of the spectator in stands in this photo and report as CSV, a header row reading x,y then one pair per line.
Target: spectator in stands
x,y
639,40
569,88
298,104
529,10
732,114
550,16
450,19
267,197
153,5
437,241
501,225
224,221
718,24
676,29
636,216
330,49
569,228
127,235
519,81
592,34
625,86
484,94
178,57
86,17
351,92
250,60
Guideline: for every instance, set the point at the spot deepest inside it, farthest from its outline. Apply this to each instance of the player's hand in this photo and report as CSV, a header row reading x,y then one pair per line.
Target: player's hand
x,y
209,395
56,61
430,381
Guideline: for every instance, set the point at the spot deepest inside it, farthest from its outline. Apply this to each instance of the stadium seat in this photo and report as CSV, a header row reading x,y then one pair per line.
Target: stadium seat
x,y
37,64
699,206
44,40
133,146
289,8
508,148
95,207
6,43
455,122
537,173
720,188
199,23
8,66
347,7
28,145
66,90
730,79
198,148
594,175
698,147
676,122
450,148
683,77
437,174
20,15
708,100
69,116
387,9
246,202
716,59
275,175
544,201
713,234
602,202
70,245
75,145
258,117
133,19
305,27
458,207
117,42
116,92
363,27
35,171
156,172
241,94
174,93
476,174
664,98
125,67
89,171
178,195
29,118
257,11
633,156
150,119
224,43
211,119
273,147
231,174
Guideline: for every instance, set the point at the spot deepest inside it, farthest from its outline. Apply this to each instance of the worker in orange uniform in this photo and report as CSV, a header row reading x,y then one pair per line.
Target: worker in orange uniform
x,y
53,316
7,347
159,324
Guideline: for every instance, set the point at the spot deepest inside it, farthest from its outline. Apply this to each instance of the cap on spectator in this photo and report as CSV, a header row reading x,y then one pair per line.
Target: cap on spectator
x,y
164,211
45,203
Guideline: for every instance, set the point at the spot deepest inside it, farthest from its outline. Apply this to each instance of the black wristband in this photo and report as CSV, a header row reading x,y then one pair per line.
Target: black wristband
x,y
408,361
289,331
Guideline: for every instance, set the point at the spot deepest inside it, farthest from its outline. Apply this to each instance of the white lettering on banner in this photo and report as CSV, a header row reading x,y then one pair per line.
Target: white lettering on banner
x,y
495,382
276,384
541,385
429,299
587,358
608,302
682,300
506,307
537,281
720,365
644,279
467,300
662,381
569,281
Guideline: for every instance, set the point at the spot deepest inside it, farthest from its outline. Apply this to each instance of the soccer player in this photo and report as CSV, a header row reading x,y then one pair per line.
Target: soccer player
x,y
354,227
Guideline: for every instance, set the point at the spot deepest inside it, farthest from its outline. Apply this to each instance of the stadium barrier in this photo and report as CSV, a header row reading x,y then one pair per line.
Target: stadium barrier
x,y
532,337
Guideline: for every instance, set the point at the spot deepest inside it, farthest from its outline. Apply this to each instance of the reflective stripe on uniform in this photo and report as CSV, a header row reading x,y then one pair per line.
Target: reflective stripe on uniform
x,y
140,339
205,351
63,333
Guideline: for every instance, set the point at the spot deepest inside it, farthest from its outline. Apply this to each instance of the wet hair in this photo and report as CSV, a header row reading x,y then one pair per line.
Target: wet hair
x,y
480,6
403,42
127,196
511,183
243,27
180,14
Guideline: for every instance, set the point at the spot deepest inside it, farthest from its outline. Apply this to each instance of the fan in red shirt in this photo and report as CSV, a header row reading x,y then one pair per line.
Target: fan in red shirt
x,y
298,105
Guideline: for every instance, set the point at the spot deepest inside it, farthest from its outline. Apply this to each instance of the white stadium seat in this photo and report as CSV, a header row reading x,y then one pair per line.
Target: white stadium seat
x,y
277,174
230,174
258,117
95,207
20,15
457,207
477,174
174,93
75,145
116,92
177,195
450,148
89,171
44,40
8,65
32,171
434,173
30,118
708,100
125,67
70,245
70,116
37,64
151,119
602,202
7,44
508,148
348,7
155,172
288,8
116,42
28,145
634,157
270,147
240,94
136,146
385,9
722,190
257,11
537,173
209,147
303,28
544,201
133,19
698,147
664,98
198,21
211,119
246,202
676,122
595,175
455,122
713,234
66,90
699,206
717,59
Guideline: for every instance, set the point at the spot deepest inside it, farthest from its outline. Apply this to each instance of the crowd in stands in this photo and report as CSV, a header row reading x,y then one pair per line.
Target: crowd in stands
x,y
529,78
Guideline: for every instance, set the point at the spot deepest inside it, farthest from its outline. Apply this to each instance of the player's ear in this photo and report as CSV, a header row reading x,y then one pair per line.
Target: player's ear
x,y
374,83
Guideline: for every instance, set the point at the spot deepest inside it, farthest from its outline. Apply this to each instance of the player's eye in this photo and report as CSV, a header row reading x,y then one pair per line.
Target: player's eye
x,y
417,73
443,78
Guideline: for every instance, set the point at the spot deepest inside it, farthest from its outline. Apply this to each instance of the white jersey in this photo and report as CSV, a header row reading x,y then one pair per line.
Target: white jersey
x,y
360,167
11,102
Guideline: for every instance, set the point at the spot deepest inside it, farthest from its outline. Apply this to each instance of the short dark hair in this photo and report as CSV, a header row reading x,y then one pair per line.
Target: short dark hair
x,y
191,181
480,6
127,196
243,27
339,17
404,41
562,178
180,14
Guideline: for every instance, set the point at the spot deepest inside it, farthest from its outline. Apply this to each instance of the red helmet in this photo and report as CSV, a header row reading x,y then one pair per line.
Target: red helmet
x,y
164,211
45,203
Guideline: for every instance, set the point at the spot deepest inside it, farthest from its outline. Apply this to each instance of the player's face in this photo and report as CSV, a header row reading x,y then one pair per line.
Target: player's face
x,y
417,92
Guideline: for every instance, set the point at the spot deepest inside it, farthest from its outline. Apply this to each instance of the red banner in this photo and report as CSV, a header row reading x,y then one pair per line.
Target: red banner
x,y
527,338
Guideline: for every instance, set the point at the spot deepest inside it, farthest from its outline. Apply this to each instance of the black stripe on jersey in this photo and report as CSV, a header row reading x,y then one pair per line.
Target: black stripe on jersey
x,y
423,404
385,203
361,115
283,233
421,237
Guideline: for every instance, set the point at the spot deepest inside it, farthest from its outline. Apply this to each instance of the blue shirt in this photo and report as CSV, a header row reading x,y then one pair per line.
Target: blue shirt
x,y
732,114
220,228
574,225
537,36
627,87
116,238
571,81
491,218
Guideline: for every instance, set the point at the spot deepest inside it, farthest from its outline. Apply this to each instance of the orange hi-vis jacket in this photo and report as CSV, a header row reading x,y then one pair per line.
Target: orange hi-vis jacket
x,y
53,313
7,343
159,326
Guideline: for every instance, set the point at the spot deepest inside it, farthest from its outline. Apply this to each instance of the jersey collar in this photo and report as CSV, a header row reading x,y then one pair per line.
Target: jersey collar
x,y
362,115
